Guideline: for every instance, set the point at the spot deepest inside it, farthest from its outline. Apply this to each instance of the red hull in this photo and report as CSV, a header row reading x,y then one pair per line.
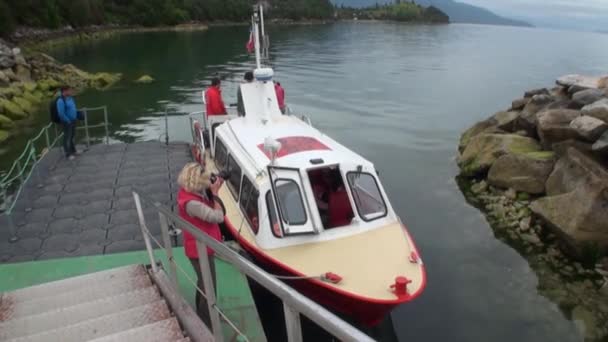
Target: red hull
x,y
367,311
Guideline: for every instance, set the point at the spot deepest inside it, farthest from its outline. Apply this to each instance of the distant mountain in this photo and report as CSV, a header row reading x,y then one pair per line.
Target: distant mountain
x,y
459,12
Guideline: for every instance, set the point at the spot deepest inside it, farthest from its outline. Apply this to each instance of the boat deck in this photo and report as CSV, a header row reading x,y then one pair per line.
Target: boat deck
x,y
85,206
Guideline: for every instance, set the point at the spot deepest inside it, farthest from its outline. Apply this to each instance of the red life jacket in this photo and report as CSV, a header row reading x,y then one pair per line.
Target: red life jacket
x,y
212,229
215,104
280,95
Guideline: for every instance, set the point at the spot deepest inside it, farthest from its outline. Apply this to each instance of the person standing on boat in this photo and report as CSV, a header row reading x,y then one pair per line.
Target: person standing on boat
x,y
240,106
197,204
280,96
68,115
213,98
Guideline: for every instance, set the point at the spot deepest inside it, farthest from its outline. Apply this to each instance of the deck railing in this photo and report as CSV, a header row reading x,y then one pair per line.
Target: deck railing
x,y
294,303
36,148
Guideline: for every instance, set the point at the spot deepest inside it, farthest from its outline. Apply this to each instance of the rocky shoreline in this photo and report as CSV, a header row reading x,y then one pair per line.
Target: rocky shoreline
x,y
28,81
539,172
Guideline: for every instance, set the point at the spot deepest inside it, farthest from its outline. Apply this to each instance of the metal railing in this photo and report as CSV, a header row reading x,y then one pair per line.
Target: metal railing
x,y
294,303
24,167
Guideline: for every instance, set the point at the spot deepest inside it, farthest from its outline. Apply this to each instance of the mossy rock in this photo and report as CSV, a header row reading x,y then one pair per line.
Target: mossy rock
x,y
10,92
4,135
26,105
6,122
48,84
145,79
541,155
29,86
33,98
103,80
12,110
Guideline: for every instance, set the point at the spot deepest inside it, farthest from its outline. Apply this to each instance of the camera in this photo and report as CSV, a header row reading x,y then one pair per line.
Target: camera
x,y
222,174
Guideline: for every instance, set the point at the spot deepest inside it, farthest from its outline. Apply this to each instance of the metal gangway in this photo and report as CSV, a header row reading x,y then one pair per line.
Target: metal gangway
x,y
294,303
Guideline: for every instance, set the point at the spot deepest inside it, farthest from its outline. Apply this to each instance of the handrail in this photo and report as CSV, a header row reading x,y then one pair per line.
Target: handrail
x,y
12,183
294,303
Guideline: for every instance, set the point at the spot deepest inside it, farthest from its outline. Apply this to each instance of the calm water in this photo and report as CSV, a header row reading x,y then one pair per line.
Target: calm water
x,y
400,95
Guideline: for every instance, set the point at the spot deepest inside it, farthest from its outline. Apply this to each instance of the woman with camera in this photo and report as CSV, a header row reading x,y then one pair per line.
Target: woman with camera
x,y
198,204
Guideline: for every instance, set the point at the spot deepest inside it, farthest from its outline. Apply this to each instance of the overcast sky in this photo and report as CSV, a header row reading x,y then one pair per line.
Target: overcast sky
x,y
577,14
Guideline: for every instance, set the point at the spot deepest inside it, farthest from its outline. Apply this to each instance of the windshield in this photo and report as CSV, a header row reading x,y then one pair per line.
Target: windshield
x,y
290,202
367,196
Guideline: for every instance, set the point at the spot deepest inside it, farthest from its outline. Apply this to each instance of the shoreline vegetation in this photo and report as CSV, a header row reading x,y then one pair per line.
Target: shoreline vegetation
x,y
539,173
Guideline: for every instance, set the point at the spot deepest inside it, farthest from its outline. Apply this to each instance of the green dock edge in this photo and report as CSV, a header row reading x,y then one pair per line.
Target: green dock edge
x,y
234,295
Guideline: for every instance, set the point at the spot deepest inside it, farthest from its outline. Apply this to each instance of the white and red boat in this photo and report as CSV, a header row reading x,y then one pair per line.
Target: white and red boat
x,y
308,209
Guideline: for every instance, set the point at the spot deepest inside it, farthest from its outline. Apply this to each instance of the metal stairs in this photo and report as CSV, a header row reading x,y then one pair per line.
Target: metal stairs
x,y
121,304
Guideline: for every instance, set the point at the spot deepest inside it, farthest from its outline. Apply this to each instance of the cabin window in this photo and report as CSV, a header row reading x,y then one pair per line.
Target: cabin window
x,y
331,197
220,155
249,204
367,195
275,226
290,201
234,178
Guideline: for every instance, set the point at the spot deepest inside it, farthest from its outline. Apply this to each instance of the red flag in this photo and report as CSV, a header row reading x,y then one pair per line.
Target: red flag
x,y
250,46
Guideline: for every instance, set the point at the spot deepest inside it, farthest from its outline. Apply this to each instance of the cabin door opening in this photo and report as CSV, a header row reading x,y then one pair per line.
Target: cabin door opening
x,y
331,196
291,201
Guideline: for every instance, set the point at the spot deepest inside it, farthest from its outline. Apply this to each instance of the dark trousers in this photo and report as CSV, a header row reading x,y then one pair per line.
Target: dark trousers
x,y
69,131
202,309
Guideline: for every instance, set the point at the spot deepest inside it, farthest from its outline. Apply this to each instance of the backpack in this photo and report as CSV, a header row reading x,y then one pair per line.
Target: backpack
x,y
53,109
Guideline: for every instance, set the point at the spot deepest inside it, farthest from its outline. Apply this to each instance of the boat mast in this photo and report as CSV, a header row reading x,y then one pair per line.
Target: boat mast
x,y
256,32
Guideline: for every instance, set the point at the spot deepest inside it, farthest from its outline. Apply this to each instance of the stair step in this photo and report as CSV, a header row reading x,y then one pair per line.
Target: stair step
x,y
162,331
103,326
76,283
92,292
70,315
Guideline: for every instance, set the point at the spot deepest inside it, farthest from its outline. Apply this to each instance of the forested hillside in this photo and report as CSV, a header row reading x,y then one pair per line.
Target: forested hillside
x,y
78,13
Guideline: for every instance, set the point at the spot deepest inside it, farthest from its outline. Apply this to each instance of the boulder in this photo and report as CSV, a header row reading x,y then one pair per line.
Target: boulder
x,y
588,96
476,129
564,104
506,121
4,80
48,84
598,109
103,80
145,79
527,172
33,98
561,148
601,145
540,91
483,150
12,110
589,128
575,89
29,86
23,73
554,126
6,122
10,74
519,104
577,216
580,80
4,135
24,104
527,119
572,171
7,60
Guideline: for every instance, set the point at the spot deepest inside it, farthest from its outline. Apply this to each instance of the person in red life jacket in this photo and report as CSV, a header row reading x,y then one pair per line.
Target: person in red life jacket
x,y
280,96
340,211
197,204
213,99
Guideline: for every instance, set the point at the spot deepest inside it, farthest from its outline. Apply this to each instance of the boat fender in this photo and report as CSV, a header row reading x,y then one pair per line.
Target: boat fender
x,y
414,257
399,288
331,277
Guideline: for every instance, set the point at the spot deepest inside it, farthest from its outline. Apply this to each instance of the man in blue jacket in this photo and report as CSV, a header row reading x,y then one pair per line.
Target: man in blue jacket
x,y
66,108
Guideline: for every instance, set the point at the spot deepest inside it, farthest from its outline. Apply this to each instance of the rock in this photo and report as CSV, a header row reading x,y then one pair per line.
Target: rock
x,y
589,128
24,104
145,79
524,224
479,187
598,110
511,194
562,147
506,121
580,80
575,89
564,104
531,239
484,149
4,80
527,119
10,74
585,321
540,91
23,73
588,96
478,128
576,216
519,104
33,98
5,122
572,171
29,86
7,60
4,135
48,84
103,80
12,110
526,172
601,145
554,126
